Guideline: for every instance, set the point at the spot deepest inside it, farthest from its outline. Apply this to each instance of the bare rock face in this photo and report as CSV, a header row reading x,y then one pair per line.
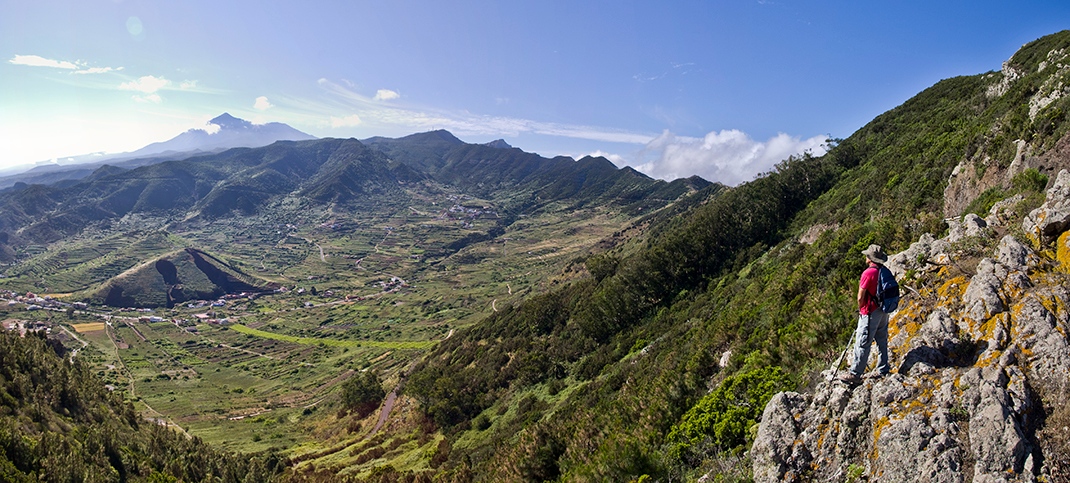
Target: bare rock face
x,y
923,255
781,460
1004,211
974,355
972,225
1046,223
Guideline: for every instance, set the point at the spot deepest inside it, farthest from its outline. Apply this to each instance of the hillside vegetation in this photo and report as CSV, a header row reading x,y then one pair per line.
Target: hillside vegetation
x,y
662,361
240,295
59,424
653,352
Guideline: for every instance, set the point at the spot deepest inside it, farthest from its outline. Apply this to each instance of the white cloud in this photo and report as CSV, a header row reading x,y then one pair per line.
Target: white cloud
x,y
262,104
211,128
153,98
375,114
96,70
728,156
188,85
386,95
78,67
38,61
346,121
147,84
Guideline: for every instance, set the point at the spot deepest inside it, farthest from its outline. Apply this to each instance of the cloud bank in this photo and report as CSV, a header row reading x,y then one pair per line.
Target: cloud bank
x,y
728,156
375,114
346,121
148,85
78,67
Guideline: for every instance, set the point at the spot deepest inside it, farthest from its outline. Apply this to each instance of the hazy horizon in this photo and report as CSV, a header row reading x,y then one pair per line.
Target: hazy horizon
x,y
723,90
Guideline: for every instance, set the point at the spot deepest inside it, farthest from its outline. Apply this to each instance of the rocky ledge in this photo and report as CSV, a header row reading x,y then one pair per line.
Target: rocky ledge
x,y
983,367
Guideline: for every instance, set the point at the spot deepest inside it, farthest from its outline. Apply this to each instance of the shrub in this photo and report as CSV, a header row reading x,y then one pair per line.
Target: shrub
x,y
363,393
1030,180
723,416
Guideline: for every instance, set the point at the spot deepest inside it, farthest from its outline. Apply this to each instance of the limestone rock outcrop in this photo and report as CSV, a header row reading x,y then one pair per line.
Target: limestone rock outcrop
x,y
981,355
1053,217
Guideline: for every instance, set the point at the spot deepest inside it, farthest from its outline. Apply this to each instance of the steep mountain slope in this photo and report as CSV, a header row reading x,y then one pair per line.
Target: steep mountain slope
x,y
59,423
661,363
188,274
982,364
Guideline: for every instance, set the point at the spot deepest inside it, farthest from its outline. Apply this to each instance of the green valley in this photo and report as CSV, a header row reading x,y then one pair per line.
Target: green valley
x,y
423,309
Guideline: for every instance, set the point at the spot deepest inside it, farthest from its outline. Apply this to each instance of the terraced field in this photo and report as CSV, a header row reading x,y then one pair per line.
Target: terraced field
x,y
366,288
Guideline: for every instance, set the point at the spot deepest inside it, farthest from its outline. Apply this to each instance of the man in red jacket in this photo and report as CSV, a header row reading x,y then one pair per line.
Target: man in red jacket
x,y
872,322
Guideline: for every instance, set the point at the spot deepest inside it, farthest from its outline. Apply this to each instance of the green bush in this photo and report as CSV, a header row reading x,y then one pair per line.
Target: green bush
x,y
1030,180
982,204
363,393
723,416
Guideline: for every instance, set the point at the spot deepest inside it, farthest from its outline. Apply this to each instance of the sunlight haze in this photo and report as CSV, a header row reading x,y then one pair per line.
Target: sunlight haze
x,y
721,89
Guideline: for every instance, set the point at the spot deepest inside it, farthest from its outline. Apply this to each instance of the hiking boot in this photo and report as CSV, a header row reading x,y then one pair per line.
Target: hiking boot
x,y
850,378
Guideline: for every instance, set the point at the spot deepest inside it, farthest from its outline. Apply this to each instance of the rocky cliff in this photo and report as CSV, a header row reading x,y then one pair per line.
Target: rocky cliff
x,y
1042,82
983,367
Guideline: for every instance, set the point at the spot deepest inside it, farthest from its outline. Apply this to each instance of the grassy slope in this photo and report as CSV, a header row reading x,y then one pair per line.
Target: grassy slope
x,y
57,423
627,356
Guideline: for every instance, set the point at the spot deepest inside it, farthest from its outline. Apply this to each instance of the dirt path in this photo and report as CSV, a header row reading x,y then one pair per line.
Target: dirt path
x,y
388,233
75,337
133,394
391,398
385,413
136,332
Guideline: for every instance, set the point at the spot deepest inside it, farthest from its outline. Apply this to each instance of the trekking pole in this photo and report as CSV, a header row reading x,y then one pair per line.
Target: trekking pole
x,y
836,367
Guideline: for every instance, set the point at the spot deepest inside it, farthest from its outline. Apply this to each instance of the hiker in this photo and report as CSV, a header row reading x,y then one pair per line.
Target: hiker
x,y
872,321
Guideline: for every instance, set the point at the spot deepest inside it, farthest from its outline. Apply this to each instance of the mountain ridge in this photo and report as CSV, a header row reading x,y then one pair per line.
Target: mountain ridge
x,y
334,175
661,354
979,363
669,353
229,132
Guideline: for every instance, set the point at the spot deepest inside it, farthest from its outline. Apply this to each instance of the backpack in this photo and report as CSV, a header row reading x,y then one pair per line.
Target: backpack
x,y
887,290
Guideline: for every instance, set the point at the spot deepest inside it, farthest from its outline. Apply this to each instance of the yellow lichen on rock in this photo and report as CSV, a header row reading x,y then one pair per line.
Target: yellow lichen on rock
x,y
954,288
878,426
1062,251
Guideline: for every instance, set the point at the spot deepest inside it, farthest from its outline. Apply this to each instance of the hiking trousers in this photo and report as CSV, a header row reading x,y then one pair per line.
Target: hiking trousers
x,y
871,328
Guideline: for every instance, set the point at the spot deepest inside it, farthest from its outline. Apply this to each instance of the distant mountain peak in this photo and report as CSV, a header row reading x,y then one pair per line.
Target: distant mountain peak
x,y
499,143
228,132
438,134
226,121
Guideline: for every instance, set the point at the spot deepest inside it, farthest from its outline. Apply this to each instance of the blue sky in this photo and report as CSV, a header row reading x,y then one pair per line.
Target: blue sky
x,y
722,89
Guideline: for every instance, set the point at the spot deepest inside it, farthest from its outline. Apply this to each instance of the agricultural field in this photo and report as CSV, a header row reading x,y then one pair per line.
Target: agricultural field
x,y
367,287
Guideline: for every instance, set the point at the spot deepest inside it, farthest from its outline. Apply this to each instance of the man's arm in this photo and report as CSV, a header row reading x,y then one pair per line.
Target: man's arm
x,y
861,297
